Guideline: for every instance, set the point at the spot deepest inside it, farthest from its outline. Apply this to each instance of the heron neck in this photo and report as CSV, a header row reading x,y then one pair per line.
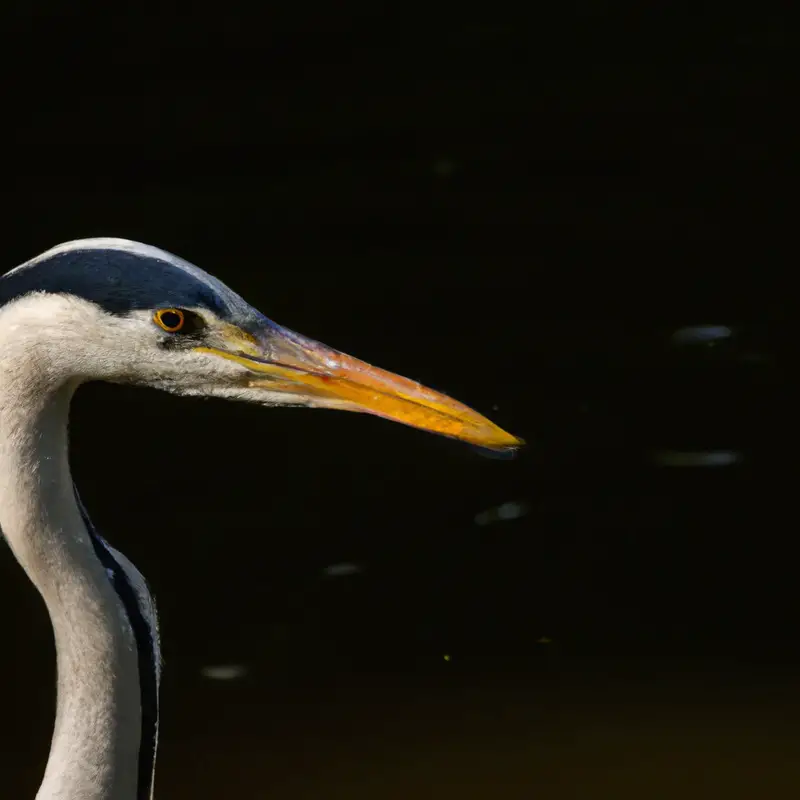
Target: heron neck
x,y
95,746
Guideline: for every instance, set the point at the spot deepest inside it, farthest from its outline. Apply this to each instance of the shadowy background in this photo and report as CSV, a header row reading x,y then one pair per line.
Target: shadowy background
x,y
518,208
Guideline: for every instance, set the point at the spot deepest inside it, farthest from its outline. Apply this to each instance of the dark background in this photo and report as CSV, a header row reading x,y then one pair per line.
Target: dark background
x,y
517,209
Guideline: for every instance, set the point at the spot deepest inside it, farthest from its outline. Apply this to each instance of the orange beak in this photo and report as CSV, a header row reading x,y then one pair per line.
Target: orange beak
x,y
283,361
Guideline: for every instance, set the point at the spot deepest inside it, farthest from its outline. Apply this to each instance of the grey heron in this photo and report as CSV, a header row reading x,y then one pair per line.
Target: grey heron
x,y
120,311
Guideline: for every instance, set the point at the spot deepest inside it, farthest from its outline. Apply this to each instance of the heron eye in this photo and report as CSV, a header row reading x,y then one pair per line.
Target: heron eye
x,y
170,319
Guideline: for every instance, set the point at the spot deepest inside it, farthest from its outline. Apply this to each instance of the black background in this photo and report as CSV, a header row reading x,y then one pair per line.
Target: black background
x,y
518,209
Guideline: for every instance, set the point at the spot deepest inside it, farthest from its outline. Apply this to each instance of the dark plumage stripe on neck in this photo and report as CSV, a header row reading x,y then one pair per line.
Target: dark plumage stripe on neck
x,y
144,635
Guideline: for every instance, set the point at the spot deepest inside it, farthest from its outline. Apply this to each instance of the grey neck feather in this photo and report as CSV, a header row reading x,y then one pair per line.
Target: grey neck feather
x,y
95,746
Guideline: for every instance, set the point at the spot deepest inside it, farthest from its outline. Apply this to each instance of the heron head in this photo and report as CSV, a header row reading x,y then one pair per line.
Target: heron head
x,y
120,311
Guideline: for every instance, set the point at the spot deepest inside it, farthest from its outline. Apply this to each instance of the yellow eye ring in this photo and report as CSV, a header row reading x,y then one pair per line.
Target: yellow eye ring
x,y
170,319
